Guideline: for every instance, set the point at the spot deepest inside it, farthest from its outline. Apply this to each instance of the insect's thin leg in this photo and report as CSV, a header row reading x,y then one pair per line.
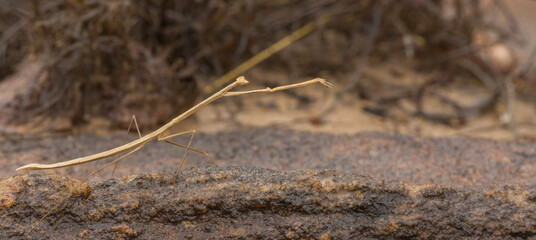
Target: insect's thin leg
x,y
113,162
83,181
284,87
192,149
133,119
165,139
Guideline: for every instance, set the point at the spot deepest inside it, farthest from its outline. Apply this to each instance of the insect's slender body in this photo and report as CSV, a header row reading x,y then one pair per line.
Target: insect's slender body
x,y
136,145
158,133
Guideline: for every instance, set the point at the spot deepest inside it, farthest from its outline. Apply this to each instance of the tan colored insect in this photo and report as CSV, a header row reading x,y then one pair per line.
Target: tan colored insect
x,y
142,141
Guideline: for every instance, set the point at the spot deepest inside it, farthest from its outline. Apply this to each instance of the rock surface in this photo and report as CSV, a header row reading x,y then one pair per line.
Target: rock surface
x,y
456,161
254,203
382,186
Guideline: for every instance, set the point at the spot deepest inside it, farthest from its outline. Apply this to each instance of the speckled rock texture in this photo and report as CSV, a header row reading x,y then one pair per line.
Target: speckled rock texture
x,y
381,186
257,203
455,161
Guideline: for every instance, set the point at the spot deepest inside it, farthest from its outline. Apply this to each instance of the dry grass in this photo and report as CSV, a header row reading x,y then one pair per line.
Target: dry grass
x,y
142,54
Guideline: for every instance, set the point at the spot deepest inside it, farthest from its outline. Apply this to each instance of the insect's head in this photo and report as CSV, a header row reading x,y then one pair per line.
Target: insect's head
x,y
241,80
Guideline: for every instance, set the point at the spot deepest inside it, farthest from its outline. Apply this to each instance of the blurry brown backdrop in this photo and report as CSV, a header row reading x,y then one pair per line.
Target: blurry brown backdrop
x,y
433,68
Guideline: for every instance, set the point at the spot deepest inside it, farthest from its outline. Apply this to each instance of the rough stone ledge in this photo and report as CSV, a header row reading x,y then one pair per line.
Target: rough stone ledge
x,y
251,203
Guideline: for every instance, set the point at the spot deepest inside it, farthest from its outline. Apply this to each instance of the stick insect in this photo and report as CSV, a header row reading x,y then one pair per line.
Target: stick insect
x,y
141,142
158,134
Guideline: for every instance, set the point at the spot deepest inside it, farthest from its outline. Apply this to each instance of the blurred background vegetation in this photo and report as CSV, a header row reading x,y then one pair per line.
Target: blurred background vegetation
x,y
420,67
